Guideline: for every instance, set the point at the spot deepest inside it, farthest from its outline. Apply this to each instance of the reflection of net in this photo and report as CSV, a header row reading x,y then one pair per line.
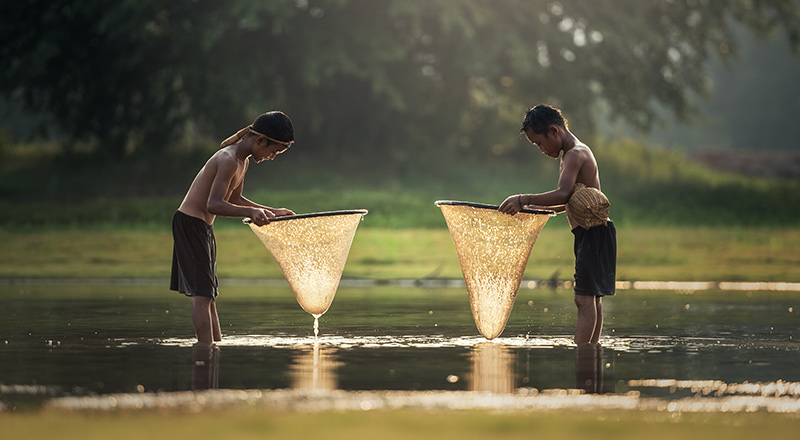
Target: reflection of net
x,y
493,249
311,252
314,369
491,368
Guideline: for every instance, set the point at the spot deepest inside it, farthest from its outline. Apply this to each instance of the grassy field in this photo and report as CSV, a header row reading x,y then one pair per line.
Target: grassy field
x,y
403,424
676,220
645,253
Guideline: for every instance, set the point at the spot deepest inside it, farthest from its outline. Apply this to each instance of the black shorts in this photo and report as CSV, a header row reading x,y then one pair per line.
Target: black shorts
x,y
194,257
595,260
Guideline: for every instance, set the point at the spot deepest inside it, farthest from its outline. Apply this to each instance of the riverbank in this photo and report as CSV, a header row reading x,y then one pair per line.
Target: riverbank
x,y
441,424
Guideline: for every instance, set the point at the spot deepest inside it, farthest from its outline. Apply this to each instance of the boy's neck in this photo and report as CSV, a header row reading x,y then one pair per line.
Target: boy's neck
x,y
243,149
568,140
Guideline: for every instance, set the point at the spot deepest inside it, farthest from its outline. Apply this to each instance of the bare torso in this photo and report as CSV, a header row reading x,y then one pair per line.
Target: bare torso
x,y
196,201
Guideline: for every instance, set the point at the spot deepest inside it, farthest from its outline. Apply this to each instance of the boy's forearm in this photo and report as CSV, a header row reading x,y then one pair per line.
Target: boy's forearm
x,y
550,199
555,208
227,209
243,201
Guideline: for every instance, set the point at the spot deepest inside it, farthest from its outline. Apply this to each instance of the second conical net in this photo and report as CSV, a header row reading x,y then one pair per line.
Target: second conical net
x,y
493,249
311,250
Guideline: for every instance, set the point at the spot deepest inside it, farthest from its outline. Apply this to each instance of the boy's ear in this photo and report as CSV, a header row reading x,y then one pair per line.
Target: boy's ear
x,y
553,130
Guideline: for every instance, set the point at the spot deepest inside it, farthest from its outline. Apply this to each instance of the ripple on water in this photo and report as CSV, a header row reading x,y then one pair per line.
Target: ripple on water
x,y
622,344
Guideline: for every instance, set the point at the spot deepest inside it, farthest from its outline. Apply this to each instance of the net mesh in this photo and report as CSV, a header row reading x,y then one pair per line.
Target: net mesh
x,y
493,249
311,252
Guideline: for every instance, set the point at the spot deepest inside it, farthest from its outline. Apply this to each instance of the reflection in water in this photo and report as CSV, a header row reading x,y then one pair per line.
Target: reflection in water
x,y
314,369
589,368
491,368
205,366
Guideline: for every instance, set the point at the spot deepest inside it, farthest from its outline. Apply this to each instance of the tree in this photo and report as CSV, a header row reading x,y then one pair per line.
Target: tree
x,y
374,77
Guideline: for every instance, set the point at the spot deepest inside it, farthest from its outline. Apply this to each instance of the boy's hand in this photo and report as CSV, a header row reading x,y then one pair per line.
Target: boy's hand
x,y
260,216
511,205
282,211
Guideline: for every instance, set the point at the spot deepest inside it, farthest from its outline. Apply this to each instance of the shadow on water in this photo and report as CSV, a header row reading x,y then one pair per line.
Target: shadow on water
x,y
87,340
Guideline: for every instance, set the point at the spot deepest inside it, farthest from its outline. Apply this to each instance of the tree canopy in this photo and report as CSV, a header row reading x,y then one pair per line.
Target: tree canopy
x,y
361,75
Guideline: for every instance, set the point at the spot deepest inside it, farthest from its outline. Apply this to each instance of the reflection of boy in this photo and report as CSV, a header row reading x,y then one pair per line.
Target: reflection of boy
x,y
578,194
217,190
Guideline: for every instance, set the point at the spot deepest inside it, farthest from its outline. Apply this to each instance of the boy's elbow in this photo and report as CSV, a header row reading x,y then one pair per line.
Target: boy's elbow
x,y
214,207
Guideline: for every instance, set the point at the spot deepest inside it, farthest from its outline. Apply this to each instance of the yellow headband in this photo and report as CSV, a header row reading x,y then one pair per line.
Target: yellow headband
x,y
241,133
273,140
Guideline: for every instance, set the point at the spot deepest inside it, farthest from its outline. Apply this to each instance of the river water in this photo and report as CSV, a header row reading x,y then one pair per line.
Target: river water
x,y
96,339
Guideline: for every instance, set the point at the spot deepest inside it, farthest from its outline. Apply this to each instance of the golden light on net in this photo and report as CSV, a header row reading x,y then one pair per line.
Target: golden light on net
x,y
493,249
311,250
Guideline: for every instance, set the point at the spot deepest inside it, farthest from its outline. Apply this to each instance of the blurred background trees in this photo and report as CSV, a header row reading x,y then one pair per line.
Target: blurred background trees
x,y
385,79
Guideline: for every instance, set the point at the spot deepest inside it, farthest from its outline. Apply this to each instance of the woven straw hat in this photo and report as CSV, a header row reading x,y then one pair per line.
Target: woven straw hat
x,y
588,206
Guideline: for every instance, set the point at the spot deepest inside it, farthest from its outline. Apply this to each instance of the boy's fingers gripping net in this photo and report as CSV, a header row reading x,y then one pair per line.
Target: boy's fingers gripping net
x,y
493,249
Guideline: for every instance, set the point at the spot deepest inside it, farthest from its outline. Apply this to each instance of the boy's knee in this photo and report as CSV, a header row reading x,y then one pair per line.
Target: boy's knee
x,y
202,301
584,301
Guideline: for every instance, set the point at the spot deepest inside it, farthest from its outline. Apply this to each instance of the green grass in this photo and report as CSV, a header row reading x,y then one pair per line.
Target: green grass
x,y
676,220
402,424
654,253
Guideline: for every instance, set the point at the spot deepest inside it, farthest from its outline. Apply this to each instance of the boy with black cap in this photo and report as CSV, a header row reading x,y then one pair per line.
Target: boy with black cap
x,y
578,194
217,190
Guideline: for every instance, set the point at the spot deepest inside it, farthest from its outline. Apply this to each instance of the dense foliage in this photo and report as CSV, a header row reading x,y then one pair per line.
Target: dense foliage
x,y
373,78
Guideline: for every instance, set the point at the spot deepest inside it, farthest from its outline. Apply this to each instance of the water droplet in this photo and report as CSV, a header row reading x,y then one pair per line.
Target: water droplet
x,y
140,388
687,306
452,378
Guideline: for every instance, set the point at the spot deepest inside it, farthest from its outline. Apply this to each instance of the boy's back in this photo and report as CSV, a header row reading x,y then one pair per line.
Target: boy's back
x,y
219,166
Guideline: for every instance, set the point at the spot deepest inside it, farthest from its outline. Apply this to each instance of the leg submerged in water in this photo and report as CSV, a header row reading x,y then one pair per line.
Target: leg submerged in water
x,y
205,319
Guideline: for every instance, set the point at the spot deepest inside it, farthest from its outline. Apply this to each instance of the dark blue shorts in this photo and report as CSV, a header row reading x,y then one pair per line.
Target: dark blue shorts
x,y
194,257
596,260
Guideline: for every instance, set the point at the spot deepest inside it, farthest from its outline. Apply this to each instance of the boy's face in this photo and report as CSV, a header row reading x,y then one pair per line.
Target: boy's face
x,y
268,150
549,145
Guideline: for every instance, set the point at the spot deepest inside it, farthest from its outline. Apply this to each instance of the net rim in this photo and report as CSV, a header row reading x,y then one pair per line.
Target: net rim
x,y
493,207
311,215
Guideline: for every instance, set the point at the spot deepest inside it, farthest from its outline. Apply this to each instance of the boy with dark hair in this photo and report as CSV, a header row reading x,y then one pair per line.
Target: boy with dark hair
x,y
578,194
217,190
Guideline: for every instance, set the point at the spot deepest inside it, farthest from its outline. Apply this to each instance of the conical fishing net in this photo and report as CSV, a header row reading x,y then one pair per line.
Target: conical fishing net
x,y
493,249
311,250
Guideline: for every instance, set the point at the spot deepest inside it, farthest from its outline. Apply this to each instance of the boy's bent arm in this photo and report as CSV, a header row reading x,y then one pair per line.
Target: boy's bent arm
x,y
554,199
217,203
237,198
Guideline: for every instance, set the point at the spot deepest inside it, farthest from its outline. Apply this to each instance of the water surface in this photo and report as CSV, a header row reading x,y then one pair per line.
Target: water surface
x,y
76,340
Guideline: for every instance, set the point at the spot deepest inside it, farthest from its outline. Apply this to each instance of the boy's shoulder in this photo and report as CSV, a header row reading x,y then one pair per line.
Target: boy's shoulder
x,y
580,152
226,156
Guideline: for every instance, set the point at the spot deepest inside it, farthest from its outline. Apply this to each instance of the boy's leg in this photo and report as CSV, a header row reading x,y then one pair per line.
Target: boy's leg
x,y
598,325
587,318
201,318
587,371
216,331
